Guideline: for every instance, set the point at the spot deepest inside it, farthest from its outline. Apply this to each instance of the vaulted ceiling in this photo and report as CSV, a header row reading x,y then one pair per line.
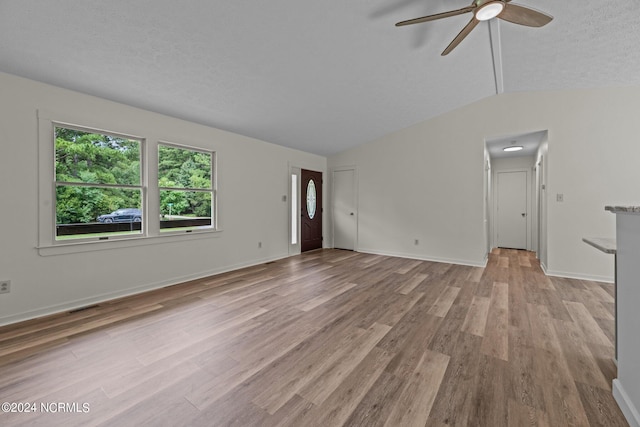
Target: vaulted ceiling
x,y
319,76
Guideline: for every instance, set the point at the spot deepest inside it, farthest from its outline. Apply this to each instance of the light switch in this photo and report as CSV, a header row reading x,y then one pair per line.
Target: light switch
x,y
559,197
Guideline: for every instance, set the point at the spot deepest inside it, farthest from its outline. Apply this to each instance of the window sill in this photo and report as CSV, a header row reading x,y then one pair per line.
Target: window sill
x,y
129,242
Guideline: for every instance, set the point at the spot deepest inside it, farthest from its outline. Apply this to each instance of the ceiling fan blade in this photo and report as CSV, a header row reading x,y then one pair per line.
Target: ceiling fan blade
x,y
524,16
464,33
436,16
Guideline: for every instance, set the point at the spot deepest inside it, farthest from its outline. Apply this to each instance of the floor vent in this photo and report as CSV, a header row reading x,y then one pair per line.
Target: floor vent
x,y
270,262
83,308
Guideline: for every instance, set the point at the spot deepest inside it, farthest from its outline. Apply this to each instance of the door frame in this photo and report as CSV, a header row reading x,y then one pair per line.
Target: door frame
x,y
355,202
541,209
295,167
309,222
530,215
487,203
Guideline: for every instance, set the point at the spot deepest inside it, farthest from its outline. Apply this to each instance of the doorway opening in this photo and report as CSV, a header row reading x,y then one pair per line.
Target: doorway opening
x,y
515,196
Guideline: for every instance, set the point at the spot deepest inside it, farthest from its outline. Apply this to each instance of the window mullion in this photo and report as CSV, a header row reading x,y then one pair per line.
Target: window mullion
x,y
94,184
201,190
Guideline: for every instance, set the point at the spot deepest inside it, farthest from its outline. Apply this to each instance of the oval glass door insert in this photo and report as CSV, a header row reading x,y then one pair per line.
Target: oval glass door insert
x,y
311,199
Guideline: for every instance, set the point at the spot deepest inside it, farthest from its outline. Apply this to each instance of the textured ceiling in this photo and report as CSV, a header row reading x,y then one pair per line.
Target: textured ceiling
x,y
530,143
317,76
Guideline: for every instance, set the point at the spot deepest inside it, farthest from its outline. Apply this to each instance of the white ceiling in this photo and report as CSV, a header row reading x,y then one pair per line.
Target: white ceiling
x,y
319,76
529,141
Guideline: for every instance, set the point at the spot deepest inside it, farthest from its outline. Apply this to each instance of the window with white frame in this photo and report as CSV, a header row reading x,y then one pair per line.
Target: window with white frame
x,y
98,184
185,182
94,187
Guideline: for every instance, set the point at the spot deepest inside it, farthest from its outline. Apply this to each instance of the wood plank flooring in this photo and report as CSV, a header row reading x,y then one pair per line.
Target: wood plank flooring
x,y
328,338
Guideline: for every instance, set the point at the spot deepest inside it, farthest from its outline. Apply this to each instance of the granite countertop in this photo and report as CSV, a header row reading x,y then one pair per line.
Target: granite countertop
x,y
605,244
623,209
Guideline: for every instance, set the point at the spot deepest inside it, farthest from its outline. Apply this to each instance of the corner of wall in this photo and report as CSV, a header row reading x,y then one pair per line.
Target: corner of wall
x,y
627,407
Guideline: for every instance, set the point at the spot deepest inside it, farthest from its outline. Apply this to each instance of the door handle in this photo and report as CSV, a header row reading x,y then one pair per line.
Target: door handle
x,y
523,215
351,214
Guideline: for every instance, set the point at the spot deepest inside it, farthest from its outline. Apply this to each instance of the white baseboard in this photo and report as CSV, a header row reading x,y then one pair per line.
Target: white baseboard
x,y
96,299
543,267
579,276
627,407
425,258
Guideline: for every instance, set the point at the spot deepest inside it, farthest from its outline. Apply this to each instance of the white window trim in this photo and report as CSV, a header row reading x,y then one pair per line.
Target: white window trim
x,y
48,245
142,187
214,187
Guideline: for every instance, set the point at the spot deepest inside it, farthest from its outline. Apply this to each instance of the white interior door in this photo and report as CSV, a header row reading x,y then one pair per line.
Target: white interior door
x,y
512,209
345,216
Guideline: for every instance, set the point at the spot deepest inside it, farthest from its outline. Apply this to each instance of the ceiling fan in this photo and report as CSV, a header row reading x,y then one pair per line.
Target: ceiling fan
x,y
483,10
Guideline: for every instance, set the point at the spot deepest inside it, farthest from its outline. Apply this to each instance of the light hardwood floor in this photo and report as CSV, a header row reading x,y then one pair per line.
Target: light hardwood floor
x,y
328,338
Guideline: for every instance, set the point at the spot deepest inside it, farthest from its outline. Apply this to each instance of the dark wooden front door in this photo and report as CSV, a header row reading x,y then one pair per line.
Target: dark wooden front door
x,y
311,207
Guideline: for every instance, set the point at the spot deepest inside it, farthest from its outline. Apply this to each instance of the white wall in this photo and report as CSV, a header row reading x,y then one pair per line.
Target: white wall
x,y
506,163
425,181
626,388
253,177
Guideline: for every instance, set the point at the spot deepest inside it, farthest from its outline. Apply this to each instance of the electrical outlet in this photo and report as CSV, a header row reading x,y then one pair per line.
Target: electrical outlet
x,y
259,245
5,286
559,197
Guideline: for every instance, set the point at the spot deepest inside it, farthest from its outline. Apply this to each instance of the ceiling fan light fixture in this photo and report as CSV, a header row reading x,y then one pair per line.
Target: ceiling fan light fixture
x,y
513,148
489,10
485,10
